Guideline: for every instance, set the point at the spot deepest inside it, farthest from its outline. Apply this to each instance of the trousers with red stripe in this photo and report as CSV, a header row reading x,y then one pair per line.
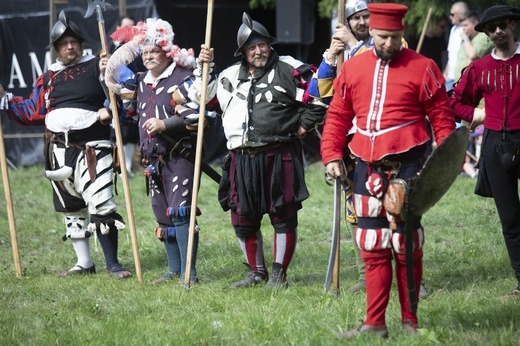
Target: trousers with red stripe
x,y
379,244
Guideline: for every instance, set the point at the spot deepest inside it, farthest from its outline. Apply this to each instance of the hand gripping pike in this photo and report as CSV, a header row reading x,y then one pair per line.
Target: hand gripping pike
x,y
99,6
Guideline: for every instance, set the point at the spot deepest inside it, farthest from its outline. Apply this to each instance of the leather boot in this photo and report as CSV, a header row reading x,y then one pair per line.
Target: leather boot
x,y
363,329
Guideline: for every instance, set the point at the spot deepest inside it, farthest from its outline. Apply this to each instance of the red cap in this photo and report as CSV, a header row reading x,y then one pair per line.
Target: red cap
x,y
387,16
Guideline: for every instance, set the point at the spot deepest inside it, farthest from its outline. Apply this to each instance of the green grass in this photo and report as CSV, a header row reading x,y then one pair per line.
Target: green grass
x,y
466,269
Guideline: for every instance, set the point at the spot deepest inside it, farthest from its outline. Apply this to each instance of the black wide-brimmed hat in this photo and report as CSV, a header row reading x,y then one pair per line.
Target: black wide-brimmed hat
x,y
496,13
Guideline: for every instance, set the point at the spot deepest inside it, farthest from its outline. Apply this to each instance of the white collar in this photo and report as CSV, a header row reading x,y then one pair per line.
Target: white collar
x,y
58,65
517,51
149,79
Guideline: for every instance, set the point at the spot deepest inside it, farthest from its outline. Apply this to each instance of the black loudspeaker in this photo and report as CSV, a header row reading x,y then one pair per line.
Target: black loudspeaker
x,y
295,21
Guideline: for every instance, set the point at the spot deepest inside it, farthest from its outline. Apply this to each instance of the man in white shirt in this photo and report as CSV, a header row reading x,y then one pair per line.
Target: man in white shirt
x,y
458,12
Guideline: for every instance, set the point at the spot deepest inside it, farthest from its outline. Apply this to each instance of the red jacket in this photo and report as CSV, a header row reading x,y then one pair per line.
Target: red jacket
x,y
497,81
390,102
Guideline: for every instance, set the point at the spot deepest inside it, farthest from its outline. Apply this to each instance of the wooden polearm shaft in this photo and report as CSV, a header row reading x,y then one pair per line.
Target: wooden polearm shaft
x,y
198,153
423,33
9,205
120,151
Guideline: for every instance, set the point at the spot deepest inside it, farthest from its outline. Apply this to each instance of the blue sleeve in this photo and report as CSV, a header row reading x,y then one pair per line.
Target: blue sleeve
x,y
321,84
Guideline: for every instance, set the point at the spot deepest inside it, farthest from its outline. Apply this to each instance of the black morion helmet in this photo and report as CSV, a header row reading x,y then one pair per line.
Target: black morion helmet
x,y
63,28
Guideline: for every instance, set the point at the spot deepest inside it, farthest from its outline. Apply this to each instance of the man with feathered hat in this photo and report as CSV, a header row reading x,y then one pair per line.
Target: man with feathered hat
x,y
68,99
166,117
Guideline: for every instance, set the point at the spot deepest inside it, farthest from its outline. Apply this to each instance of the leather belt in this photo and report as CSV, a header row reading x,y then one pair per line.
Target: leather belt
x,y
387,163
255,150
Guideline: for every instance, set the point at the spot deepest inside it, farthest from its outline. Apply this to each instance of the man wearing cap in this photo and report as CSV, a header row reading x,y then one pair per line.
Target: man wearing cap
x,y
69,99
390,141
495,79
352,38
265,112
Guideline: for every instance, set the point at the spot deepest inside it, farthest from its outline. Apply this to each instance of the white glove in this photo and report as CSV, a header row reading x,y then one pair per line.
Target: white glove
x,y
4,100
195,90
198,70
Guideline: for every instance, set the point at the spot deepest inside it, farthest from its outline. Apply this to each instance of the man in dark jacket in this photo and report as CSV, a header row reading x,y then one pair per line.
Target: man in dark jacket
x,y
265,113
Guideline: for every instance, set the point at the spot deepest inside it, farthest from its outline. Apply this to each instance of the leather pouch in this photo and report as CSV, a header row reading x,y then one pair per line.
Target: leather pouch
x,y
395,196
116,164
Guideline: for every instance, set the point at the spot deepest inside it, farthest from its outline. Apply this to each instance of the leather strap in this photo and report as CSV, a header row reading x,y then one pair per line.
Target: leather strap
x,y
90,155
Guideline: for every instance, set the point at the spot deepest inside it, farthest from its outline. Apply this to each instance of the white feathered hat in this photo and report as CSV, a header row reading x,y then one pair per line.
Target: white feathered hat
x,y
154,31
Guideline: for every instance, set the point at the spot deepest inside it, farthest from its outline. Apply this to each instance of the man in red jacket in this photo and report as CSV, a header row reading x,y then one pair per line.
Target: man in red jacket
x,y
495,78
390,141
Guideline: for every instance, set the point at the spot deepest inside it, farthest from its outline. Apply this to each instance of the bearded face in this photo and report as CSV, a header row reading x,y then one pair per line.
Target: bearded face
x,y
500,32
257,54
387,44
359,23
385,54
69,50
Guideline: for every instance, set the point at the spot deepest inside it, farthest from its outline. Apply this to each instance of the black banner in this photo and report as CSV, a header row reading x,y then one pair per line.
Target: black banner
x,y
25,54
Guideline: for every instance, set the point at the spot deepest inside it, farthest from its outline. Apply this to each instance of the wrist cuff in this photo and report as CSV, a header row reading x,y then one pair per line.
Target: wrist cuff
x,y
327,61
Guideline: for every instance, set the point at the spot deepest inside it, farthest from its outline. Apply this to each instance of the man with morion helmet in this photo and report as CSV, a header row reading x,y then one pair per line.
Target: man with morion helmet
x,y
265,113
250,34
68,99
63,28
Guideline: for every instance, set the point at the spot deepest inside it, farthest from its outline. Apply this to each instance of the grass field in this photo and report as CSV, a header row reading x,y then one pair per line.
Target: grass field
x,y
466,269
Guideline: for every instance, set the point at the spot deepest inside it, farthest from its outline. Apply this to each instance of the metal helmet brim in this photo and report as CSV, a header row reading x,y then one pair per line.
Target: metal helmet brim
x,y
251,29
354,6
63,28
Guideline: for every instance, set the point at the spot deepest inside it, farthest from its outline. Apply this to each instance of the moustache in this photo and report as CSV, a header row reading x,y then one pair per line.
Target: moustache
x,y
151,60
